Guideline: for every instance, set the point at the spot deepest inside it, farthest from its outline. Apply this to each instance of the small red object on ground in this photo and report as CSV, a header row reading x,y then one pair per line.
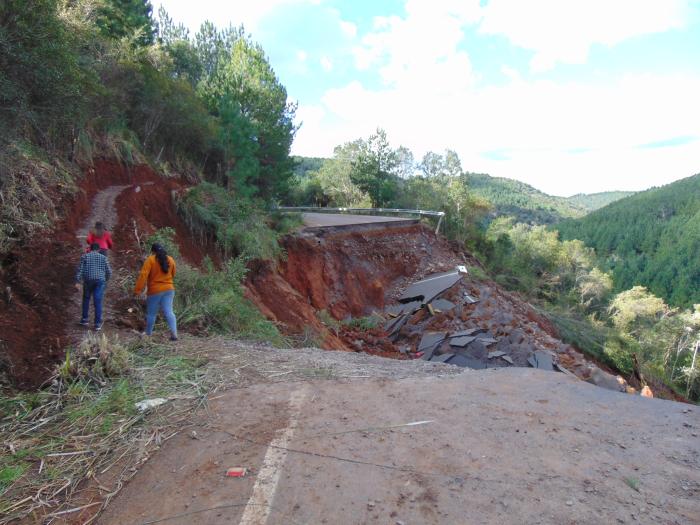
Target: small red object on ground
x,y
236,472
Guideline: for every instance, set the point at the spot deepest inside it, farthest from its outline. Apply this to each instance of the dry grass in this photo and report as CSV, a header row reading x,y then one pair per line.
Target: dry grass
x,y
72,446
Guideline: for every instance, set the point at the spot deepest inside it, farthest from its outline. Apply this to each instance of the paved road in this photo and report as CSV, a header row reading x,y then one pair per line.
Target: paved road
x,y
513,445
324,220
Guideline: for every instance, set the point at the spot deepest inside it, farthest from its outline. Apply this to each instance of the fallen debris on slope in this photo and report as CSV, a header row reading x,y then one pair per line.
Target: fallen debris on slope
x,y
414,278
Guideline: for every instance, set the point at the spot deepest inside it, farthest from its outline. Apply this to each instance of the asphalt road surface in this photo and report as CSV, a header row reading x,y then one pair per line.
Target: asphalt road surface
x,y
513,445
324,220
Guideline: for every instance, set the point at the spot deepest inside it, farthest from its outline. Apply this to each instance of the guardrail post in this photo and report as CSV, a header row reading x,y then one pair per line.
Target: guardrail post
x,y
437,230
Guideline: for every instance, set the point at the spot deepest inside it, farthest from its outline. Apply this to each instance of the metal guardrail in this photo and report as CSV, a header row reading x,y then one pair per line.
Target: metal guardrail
x,y
426,213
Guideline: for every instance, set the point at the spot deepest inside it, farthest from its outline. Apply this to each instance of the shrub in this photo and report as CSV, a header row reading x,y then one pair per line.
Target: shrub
x,y
239,226
212,301
96,359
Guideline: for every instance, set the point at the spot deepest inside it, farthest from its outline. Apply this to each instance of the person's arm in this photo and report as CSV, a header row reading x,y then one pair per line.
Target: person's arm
x,y
90,238
143,277
81,271
108,240
108,270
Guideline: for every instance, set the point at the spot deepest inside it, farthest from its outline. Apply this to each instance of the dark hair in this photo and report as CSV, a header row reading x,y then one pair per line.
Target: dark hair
x,y
94,247
99,226
161,256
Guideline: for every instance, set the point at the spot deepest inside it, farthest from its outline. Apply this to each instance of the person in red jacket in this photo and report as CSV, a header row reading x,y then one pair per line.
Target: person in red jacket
x,y
101,237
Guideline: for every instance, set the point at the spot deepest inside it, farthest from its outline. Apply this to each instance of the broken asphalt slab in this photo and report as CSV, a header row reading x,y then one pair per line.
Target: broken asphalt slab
x,y
541,360
466,361
469,331
430,287
442,305
430,340
462,341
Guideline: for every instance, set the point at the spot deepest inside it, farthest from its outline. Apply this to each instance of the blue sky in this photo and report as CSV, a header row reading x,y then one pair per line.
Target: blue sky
x,y
569,96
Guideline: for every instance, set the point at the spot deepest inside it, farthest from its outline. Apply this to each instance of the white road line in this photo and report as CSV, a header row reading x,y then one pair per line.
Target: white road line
x,y
258,508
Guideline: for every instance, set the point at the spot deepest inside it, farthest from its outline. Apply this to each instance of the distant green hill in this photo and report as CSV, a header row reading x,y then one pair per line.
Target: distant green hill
x,y
522,201
532,206
651,238
593,201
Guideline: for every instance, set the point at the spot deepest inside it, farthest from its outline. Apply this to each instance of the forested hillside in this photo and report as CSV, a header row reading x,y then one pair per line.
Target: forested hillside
x,y
522,201
594,201
650,239
86,79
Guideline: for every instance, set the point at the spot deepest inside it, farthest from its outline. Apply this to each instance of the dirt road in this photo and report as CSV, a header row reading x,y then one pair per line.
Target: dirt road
x,y
496,446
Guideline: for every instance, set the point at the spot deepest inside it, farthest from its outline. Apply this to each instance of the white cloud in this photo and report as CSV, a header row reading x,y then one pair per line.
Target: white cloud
x,y
326,63
564,31
348,28
421,48
302,55
563,138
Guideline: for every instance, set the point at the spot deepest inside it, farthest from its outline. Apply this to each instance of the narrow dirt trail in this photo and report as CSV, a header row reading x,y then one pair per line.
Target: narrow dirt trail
x,y
104,210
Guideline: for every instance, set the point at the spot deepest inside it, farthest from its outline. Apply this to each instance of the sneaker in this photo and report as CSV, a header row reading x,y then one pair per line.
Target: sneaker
x,y
83,323
98,327
173,338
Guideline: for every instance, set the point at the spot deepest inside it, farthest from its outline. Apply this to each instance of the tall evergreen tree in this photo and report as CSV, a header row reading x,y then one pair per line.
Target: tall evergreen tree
x,y
120,18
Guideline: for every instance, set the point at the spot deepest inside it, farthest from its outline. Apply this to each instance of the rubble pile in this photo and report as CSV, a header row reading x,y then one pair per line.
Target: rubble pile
x,y
451,318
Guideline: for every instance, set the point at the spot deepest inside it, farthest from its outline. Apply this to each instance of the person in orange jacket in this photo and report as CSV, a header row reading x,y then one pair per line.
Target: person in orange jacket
x,y
157,276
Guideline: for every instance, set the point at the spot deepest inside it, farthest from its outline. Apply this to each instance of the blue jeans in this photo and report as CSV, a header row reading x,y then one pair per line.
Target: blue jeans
x,y
96,291
164,301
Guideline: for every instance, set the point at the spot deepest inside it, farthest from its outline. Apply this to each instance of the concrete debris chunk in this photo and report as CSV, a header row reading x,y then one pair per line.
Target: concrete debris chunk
x,y
487,341
430,287
541,360
442,305
508,359
467,362
497,353
442,358
430,340
463,341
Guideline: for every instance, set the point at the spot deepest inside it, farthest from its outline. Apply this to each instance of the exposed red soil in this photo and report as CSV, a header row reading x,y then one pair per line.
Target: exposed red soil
x,y
38,276
347,274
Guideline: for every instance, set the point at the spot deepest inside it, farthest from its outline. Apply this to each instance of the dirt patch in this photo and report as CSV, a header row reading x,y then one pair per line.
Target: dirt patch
x,y
38,302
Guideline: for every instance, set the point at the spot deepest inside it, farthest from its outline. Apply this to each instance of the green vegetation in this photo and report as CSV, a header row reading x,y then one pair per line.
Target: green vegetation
x,y
101,77
650,239
632,331
210,300
594,201
517,199
239,226
369,172
57,438
530,206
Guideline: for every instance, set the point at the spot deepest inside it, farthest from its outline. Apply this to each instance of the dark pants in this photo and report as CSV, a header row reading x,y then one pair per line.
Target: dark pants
x,y
96,290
